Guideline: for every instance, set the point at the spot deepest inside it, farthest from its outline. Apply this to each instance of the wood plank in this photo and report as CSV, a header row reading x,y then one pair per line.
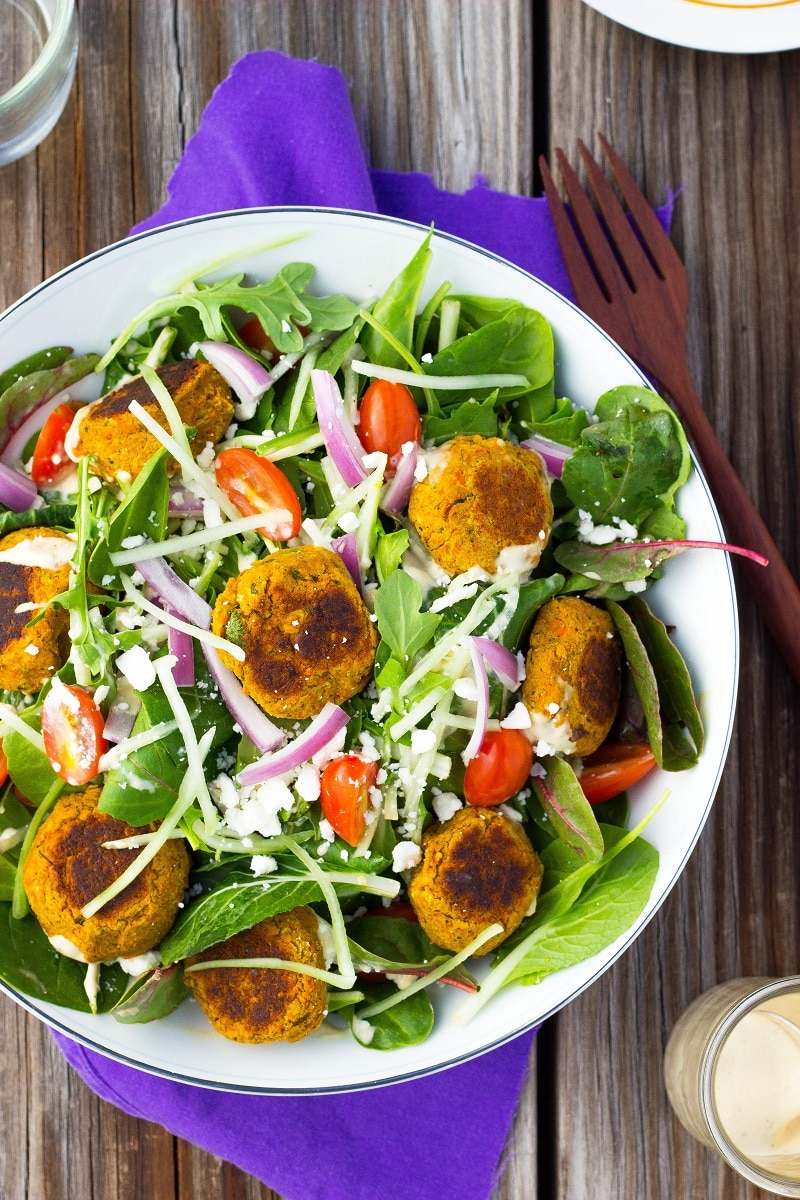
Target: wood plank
x,y
725,127
425,77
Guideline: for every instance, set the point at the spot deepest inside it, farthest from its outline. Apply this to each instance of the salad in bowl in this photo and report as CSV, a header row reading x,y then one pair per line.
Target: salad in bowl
x,y
329,660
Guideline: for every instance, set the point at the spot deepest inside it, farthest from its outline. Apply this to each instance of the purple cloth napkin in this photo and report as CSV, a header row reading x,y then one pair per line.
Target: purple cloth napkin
x,y
281,131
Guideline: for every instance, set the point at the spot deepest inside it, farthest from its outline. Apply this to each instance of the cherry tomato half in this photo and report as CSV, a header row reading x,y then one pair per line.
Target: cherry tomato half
x,y
255,485
614,768
499,769
256,337
388,418
50,460
344,795
3,766
72,729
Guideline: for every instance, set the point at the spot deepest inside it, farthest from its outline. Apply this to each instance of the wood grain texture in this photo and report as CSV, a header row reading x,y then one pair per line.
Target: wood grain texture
x,y
455,87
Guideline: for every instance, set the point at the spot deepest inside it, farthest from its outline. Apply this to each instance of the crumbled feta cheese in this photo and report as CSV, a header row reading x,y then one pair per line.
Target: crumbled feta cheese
x,y
212,514
136,666
263,864
422,740
518,718
307,784
405,856
446,804
130,543
348,522
31,649
326,830
206,456
635,585
363,1031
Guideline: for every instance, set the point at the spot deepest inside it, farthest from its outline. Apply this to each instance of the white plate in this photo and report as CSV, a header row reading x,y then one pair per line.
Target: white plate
x,y
731,26
85,305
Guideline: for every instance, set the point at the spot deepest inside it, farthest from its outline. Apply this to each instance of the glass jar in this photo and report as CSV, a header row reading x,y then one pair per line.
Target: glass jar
x,y
732,1073
38,53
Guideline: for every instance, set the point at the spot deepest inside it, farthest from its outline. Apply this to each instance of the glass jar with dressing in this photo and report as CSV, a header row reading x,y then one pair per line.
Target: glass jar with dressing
x,y
732,1072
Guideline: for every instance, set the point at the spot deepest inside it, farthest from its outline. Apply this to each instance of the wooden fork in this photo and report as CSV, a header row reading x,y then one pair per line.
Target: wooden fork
x,y
631,281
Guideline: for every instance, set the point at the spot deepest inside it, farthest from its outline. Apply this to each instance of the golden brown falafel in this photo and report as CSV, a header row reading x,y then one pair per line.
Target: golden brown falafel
x,y
34,567
121,446
68,866
477,868
484,503
261,1004
306,632
573,675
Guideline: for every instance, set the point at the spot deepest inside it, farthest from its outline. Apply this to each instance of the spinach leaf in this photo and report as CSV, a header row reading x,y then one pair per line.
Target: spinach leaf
x,y
143,513
631,461
569,811
608,905
406,1023
476,417
144,786
53,515
516,340
532,596
390,943
563,423
8,873
674,725
401,623
28,766
29,964
238,903
396,310
152,996
679,713
23,395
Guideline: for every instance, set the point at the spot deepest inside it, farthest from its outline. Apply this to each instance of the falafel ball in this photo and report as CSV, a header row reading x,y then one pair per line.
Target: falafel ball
x,y
476,868
121,446
306,632
573,675
262,1004
68,866
34,567
484,503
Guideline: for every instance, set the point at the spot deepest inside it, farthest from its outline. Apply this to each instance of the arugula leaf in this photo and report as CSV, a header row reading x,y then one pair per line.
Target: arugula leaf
x,y
389,551
396,310
401,623
143,512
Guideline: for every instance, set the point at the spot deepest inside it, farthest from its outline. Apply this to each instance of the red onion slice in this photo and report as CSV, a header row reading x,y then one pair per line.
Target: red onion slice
x,y
395,497
341,440
347,549
179,599
181,646
17,491
247,377
253,722
553,454
119,723
183,503
504,664
322,730
482,704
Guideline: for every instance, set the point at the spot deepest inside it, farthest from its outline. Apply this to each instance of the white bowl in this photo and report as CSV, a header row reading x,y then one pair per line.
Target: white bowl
x,y
87,304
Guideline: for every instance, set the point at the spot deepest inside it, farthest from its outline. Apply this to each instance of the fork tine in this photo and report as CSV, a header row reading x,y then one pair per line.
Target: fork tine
x,y
584,283
658,243
590,229
634,260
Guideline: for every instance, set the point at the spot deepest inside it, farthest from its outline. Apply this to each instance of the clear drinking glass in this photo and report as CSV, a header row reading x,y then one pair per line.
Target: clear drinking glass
x,y
38,52
732,1072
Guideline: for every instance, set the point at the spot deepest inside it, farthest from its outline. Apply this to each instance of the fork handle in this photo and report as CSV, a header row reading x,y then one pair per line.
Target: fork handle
x,y
773,587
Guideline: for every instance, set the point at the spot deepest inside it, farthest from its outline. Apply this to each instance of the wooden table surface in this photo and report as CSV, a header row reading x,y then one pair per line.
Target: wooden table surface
x,y
455,87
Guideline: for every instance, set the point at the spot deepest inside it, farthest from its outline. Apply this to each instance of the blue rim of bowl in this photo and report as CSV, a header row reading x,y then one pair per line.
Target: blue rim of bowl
x,y
405,1077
